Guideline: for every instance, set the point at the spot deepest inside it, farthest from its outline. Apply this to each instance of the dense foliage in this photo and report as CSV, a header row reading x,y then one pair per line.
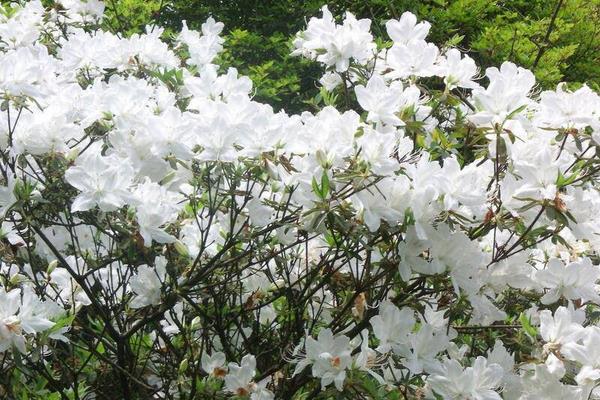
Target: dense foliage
x,y
561,48
426,230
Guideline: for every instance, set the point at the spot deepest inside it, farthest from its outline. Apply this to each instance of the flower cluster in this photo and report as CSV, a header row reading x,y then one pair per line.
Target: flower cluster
x,y
429,231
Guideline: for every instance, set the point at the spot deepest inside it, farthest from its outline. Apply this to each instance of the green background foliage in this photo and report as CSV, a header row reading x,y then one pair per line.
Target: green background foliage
x,y
558,39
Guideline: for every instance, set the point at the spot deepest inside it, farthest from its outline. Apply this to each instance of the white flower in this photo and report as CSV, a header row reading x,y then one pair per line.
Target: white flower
x,y
457,71
392,326
239,378
413,59
147,283
384,201
576,280
587,353
562,327
330,80
214,364
570,110
336,45
453,382
202,48
68,289
102,180
406,30
7,196
380,100
23,27
544,384
81,9
505,95
422,348
155,206
329,356
19,316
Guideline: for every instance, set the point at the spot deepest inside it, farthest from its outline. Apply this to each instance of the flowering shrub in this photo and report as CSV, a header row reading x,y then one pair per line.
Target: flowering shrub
x,y
429,233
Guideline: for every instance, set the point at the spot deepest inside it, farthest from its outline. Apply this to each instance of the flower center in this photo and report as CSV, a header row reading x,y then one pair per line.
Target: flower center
x,y
335,362
13,325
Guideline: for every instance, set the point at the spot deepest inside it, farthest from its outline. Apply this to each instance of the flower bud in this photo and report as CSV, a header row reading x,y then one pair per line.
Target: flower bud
x,y
181,249
17,279
183,366
195,325
322,159
51,266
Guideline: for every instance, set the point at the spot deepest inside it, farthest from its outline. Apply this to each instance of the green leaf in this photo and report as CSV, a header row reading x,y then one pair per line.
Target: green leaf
x,y
324,184
455,40
563,181
529,329
315,187
515,112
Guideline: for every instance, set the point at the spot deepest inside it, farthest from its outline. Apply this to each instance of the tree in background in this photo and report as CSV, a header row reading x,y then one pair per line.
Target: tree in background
x,y
559,40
